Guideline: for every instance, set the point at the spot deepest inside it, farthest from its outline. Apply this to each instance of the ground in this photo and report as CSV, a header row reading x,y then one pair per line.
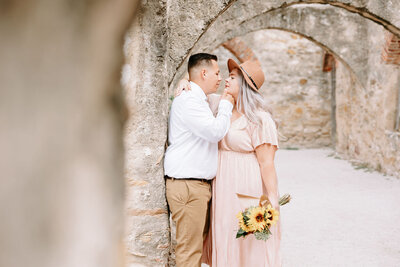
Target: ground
x,y
340,215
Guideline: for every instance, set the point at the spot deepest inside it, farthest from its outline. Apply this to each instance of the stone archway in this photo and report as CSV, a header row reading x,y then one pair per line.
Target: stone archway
x,y
322,24
297,87
240,49
169,32
232,13
356,55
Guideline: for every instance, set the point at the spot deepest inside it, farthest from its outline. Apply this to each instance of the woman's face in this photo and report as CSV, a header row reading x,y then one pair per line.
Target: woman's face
x,y
232,83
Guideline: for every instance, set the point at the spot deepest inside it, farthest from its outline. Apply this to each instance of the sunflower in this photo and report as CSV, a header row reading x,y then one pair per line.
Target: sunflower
x,y
257,220
271,216
242,224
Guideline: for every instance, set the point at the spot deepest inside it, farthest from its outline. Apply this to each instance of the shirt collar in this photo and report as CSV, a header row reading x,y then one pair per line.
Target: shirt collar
x,y
196,89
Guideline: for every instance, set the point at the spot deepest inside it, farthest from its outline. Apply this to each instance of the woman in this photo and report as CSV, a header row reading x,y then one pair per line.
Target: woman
x,y
245,168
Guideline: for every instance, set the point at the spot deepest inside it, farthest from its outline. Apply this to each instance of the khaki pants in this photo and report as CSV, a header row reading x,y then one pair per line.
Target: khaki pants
x,y
188,202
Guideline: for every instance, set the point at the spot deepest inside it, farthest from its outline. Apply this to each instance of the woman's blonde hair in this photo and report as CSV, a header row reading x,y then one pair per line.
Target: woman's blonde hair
x,y
250,101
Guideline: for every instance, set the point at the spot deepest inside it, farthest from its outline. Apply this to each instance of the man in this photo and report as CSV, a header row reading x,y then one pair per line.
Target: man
x,y
191,158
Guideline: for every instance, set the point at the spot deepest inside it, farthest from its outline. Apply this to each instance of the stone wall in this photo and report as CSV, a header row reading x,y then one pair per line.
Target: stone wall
x,y
61,122
366,115
232,20
145,83
295,85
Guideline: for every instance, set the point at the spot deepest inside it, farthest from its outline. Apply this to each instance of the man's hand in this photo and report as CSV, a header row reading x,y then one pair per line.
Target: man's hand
x,y
183,85
229,97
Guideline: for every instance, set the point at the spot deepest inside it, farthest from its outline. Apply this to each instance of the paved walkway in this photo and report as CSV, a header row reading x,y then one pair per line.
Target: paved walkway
x,y
339,216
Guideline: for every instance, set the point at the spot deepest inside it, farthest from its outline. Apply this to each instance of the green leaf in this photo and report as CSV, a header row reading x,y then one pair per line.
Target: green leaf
x,y
261,236
267,231
241,233
284,199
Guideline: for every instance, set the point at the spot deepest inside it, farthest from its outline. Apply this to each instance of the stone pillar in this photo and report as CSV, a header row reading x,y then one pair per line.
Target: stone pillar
x,y
61,156
145,81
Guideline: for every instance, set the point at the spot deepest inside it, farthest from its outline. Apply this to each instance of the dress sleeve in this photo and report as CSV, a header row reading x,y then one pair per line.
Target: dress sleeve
x,y
266,133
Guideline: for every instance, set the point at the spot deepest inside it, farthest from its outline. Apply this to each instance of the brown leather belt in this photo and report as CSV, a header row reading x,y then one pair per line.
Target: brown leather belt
x,y
196,179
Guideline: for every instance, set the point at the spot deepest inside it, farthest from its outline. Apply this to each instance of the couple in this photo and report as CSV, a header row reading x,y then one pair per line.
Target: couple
x,y
229,137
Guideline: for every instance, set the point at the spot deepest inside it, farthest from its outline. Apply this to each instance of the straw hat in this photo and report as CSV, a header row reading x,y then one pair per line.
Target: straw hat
x,y
251,71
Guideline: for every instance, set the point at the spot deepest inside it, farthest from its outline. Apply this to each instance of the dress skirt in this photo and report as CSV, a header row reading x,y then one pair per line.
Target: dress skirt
x,y
239,173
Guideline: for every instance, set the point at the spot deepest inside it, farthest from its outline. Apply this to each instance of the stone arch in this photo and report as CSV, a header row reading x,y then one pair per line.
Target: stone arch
x,y
169,31
294,19
300,95
236,12
240,49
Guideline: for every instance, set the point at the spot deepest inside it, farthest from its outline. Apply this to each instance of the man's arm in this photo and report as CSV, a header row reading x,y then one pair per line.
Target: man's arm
x,y
200,120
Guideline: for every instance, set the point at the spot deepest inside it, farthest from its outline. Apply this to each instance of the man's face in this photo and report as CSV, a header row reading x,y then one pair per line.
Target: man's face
x,y
213,77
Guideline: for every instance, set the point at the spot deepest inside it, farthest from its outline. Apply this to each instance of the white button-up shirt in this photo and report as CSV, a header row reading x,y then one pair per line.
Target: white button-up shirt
x,y
193,135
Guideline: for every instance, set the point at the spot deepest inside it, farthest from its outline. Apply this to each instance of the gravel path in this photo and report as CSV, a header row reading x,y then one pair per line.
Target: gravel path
x,y
339,216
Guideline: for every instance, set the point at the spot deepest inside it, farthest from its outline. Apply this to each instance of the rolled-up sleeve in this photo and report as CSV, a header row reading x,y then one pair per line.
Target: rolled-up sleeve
x,y
200,120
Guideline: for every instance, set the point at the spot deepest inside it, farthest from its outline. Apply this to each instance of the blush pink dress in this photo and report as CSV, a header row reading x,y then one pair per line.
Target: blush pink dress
x,y
239,172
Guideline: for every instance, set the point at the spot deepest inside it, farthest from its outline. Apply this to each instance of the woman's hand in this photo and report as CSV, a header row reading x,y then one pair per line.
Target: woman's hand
x,y
183,85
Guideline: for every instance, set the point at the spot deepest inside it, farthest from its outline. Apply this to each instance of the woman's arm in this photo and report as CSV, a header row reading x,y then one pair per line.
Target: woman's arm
x,y
183,85
265,155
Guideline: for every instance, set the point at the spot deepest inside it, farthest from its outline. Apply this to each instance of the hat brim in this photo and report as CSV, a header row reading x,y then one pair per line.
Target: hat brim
x,y
233,65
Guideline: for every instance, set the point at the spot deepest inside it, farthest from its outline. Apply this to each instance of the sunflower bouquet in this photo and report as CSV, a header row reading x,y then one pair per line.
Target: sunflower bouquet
x,y
258,220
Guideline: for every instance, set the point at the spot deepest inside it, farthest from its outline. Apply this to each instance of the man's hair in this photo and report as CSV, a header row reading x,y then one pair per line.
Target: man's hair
x,y
199,59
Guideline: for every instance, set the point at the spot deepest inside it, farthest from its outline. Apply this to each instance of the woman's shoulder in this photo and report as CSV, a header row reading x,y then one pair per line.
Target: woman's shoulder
x,y
262,113
264,116
264,122
265,131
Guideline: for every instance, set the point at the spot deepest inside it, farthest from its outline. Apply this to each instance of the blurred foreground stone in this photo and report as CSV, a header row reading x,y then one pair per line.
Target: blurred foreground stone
x,y
61,159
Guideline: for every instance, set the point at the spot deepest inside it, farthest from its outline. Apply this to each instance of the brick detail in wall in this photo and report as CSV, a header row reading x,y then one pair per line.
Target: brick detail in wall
x,y
240,50
391,49
329,62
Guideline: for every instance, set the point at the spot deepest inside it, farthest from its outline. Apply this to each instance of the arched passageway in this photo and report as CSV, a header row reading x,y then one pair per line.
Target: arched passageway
x,y
366,83
231,14
356,41
297,87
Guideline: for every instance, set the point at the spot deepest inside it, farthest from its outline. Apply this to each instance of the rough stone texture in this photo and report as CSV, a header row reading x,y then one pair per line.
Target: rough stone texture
x,y
340,32
240,11
145,82
61,159
240,50
187,21
366,115
295,86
